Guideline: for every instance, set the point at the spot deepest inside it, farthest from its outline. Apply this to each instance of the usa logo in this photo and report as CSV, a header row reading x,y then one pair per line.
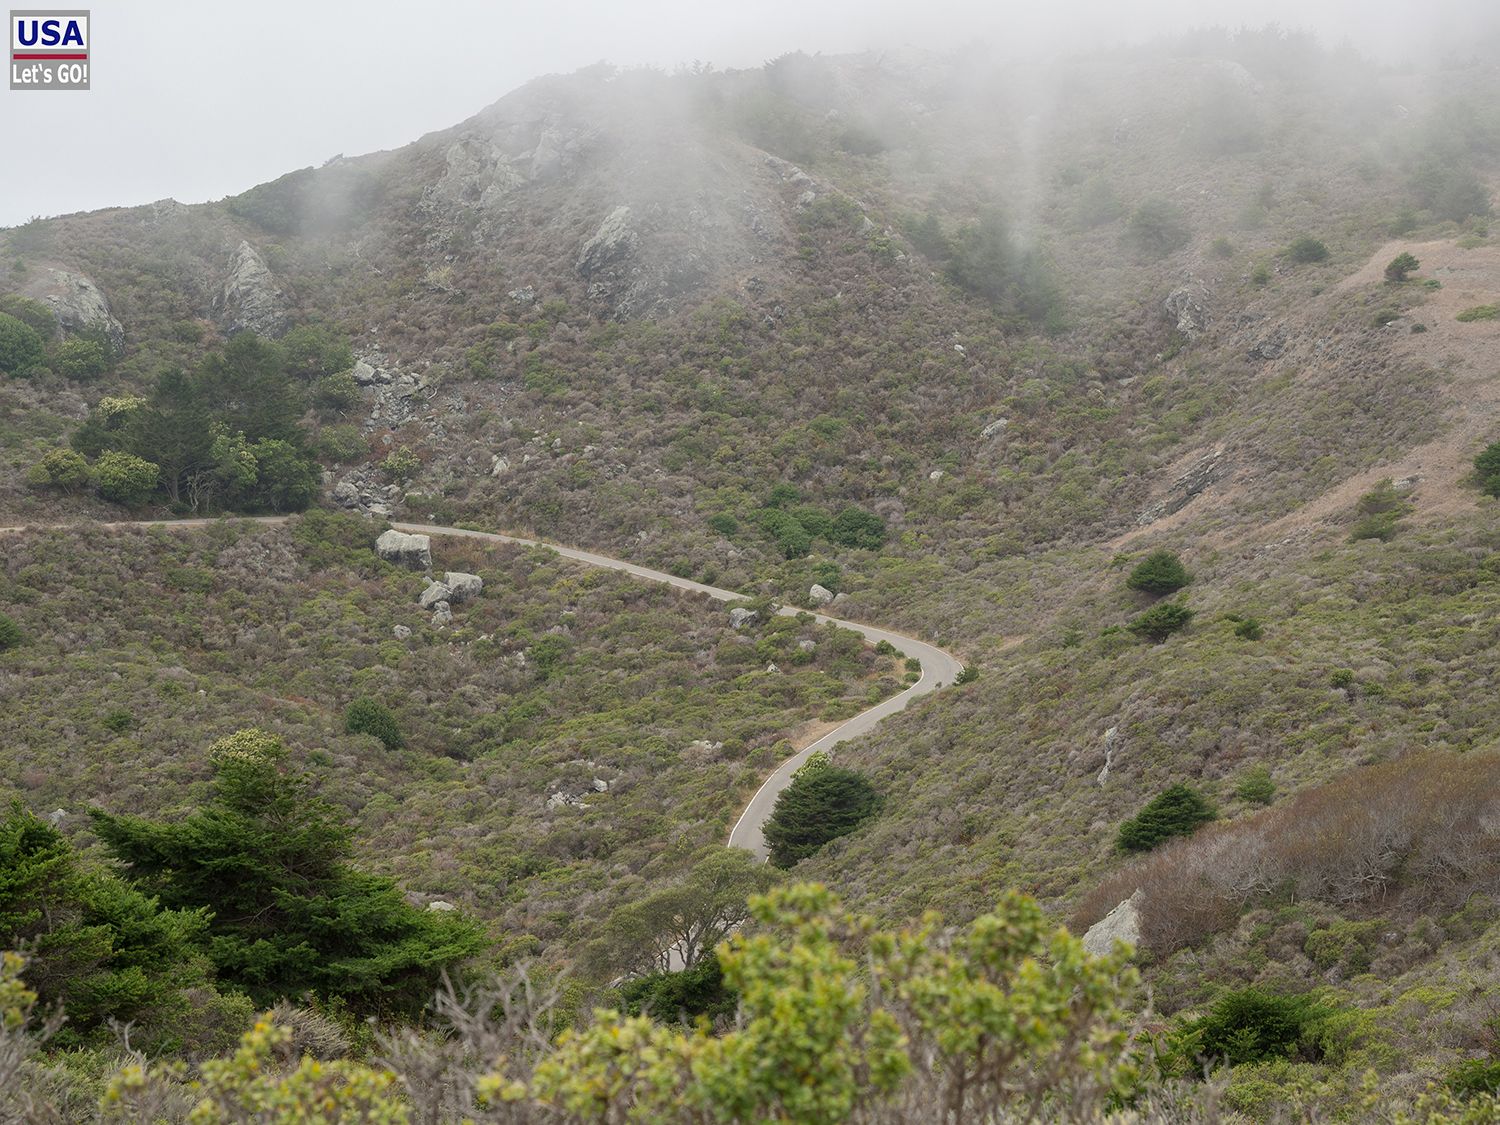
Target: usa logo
x,y
49,50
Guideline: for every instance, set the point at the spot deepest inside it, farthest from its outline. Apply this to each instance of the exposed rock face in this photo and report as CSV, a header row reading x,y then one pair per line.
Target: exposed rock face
x,y
435,593
1188,306
1271,347
739,617
1123,923
996,427
1111,747
250,299
1207,470
463,586
79,305
603,261
819,595
414,551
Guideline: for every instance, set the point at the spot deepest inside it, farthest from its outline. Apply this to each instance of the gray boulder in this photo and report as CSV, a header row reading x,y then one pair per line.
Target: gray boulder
x,y
441,906
442,614
996,427
819,595
414,551
1188,305
613,241
367,374
436,592
401,632
1123,923
79,305
739,617
250,299
346,494
464,586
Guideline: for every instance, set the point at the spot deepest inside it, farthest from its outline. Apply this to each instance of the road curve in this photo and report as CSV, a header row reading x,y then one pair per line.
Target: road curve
x,y
938,667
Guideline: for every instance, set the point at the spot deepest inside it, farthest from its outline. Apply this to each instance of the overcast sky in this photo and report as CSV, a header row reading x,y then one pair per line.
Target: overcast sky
x,y
198,100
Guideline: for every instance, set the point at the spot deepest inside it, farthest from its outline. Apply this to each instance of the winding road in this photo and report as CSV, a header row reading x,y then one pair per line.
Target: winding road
x,y
938,667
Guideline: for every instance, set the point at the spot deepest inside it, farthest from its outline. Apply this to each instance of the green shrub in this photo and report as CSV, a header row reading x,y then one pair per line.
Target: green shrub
x,y
819,805
119,720
1160,572
969,674
1159,227
1256,787
10,633
370,716
80,358
1475,1077
35,315
20,346
400,464
855,527
1175,811
1381,509
681,996
725,524
1487,468
1479,312
63,469
336,394
1260,276
341,444
1161,621
123,478
786,530
1249,629
1222,248
1307,250
1401,265
1251,1025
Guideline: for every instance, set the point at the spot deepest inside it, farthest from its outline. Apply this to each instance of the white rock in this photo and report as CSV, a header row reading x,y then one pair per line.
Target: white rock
x,y
442,614
600,785
442,906
807,645
435,592
401,632
1123,923
499,465
819,595
995,427
936,474
464,586
739,617
413,551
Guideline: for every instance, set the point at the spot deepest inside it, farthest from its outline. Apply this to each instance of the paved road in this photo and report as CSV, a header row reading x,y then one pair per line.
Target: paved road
x,y
938,667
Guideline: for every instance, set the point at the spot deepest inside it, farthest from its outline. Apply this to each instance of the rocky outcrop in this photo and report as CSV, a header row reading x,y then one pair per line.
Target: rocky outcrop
x,y
1123,923
1111,748
401,632
442,614
462,586
819,595
435,592
998,426
250,300
1207,470
1270,346
605,254
414,551
1188,306
739,617
78,304
367,374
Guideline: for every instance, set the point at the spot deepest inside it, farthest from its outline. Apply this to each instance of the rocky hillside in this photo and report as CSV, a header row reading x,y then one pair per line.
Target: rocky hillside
x,y
1037,322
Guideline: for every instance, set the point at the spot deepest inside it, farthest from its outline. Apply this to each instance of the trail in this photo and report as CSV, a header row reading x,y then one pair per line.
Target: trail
x,y
938,667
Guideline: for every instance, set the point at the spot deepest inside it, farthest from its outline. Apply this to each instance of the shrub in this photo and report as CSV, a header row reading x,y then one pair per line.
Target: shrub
x,y
1158,227
1487,468
1175,811
725,524
35,315
370,716
20,346
1251,1025
1401,265
400,464
10,633
335,394
1381,509
1475,1077
1249,629
80,358
1479,312
340,444
1307,250
1161,621
682,996
1256,787
63,469
855,527
124,478
969,674
819,805
1160,572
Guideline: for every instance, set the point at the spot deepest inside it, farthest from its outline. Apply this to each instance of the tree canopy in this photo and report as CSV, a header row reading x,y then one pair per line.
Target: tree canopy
x,y
819,805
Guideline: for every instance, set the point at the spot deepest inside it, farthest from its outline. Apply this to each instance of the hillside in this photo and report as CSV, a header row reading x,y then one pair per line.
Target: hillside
x,y
957,340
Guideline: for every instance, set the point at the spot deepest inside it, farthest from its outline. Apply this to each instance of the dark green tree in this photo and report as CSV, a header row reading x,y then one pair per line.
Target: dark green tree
x,y
1161,621
682,996
370,716
10,633
310,352
20,346
1158,227
819,805
98,946
1487,468
1175,811
1401,265
1307,250
290,915
1160,572
286,480
35,315
1251,1025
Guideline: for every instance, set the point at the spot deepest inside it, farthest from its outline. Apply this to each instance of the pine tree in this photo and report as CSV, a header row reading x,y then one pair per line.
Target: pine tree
x,y
290,915
1175,811
818,806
